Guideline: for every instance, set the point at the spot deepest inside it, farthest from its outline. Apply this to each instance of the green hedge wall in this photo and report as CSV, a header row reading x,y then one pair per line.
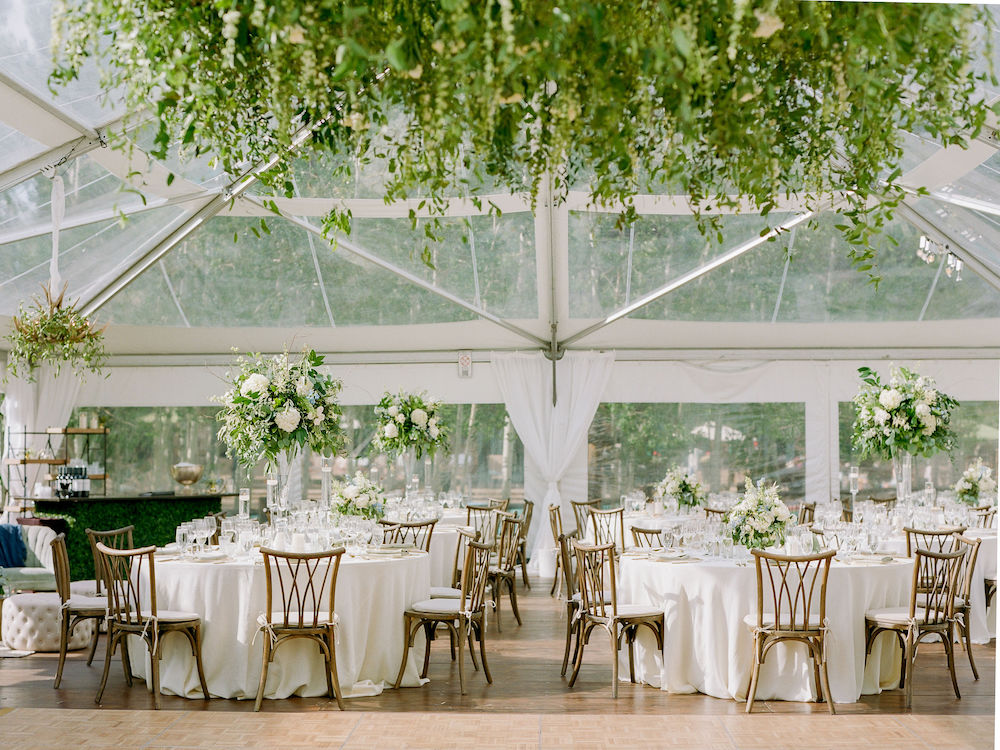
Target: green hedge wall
x,y
155,518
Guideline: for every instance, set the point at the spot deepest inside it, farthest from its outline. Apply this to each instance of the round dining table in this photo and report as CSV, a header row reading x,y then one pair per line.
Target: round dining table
x,y
371,595
708,647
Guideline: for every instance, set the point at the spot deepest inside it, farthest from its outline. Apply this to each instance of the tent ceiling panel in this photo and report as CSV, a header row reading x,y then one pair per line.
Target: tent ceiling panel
x,y
26,57
156,306
982,183
978,232
16,147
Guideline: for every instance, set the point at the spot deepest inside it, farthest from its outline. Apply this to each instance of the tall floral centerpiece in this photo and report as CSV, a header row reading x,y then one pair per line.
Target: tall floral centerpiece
x,y
681,487
897,420
359,496
276,406
759,519
977,485
409,425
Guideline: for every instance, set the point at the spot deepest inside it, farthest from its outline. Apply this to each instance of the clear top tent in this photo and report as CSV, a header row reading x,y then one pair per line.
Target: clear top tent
x,y
154,257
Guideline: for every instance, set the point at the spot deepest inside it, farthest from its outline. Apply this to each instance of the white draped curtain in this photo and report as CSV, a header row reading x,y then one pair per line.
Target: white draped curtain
x,y
553,435
34,407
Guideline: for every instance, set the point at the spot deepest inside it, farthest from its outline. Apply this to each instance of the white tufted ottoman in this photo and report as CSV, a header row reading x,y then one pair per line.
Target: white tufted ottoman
x,y
31,623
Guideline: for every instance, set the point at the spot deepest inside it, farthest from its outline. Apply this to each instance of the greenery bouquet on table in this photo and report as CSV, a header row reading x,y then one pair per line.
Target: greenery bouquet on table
x,y
976,487
409,420
759,519
359,496
278,406
682,487
906,415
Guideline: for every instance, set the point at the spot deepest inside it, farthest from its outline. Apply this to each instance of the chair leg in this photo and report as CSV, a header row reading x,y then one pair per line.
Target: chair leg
x,y
908,663
614,659
630,637
495,585
826,688
482,652
195,637
93,641
428,637
570,627
581,641
63,644
754,674
263,672
107,665
968,647
523,554
949,649
556,578
334,678
513,598
451,642
461,665
126,659
154,670
406,650
472,649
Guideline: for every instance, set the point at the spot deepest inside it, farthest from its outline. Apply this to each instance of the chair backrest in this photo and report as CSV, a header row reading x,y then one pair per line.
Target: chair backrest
x,y
555,523
609,527
218,526
508,540
970,546
475,573
807,513
114,539
595,572
985,515
501,505
484,520
828,539
847,515
935,540
796,589
714,512
302,581
647,537
465,535
60,566
526,515
581,513
126,573
935,578
568,569
885,501
412,533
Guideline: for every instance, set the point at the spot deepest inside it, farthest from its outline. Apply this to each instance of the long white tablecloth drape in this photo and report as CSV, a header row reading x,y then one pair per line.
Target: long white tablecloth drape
x,y
370,599
708,648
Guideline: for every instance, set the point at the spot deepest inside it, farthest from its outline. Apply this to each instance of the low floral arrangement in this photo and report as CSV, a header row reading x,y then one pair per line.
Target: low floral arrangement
x,y
681,486
54,332
976,484
409,420
759,519
908,415
276,406
359,497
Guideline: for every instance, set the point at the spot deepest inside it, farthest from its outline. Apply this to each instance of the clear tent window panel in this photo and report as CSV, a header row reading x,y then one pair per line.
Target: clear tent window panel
x,y
16,147
977,231
611,266
981,184
147,301
632,446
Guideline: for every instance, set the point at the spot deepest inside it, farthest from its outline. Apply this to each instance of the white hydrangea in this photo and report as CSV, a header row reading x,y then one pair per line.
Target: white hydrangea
x,y
391,431
418,417
255,383
288,419
890,398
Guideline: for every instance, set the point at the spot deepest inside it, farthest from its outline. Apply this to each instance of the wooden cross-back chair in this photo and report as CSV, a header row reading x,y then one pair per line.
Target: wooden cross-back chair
x,y
128,573
504,573
931,611
465,616
415,534
115,539
807,513
647,537
985,515
711,513
74,607
599,607
609,527
522,544
963,592
791,608
484,520
306,588
935,540
581,514
556,526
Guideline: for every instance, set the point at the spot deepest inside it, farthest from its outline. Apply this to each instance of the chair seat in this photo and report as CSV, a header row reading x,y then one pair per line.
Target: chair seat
x,y
922,602
578,598
445,592
436,607
626,611
751,621
28,579
169,616
278,620
897,616
84,588
78,603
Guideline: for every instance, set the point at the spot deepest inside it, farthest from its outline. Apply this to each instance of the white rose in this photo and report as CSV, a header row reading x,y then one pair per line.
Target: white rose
x,y
433,431
391,431
881,416
418,417
400,418
287,419
302,386
255,383
930,424
923,409
351,492
393,410
890,398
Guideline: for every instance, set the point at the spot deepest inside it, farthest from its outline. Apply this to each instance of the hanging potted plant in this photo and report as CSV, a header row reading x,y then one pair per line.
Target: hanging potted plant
x,y
54,332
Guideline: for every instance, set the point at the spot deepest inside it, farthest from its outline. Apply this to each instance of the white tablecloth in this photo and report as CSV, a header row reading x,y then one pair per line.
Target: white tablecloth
x,y
371,598
709,648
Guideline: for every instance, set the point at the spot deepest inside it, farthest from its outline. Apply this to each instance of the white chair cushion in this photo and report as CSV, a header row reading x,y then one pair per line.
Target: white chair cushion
x,y
278,619
751,621
436,607
636,610
31,622
922,602
445,592
87,602
169,615
84,588
893,615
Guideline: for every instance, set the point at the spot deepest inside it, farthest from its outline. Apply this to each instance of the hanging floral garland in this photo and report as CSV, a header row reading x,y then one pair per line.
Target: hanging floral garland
x,y
54,332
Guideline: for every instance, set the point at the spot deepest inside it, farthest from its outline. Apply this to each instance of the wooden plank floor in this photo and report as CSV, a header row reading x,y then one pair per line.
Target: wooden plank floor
x,y
528,706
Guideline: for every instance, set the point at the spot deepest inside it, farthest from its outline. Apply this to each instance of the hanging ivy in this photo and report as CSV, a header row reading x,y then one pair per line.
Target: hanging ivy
x,y
723,101
54,332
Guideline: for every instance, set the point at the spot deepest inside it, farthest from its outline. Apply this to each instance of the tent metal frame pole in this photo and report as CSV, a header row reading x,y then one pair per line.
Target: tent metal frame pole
x,y
969,257
355,249
687,278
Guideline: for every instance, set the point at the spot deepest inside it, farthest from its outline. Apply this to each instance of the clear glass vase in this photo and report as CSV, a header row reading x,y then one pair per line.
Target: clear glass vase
x,y
902,468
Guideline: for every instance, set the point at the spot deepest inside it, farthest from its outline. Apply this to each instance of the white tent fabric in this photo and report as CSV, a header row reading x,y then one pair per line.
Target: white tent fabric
x,y
552,434
34,407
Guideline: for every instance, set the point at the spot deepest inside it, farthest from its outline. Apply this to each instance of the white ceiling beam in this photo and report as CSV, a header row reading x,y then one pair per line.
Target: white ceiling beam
x,y
377,208
679,205
24,111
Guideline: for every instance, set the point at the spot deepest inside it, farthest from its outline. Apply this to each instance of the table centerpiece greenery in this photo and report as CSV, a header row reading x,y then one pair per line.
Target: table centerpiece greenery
x,y
682,487
759,519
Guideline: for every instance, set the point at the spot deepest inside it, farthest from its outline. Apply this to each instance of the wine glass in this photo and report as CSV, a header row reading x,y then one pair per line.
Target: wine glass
x,y
183,538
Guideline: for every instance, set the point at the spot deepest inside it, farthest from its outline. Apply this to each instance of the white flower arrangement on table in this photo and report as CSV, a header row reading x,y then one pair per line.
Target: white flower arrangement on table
x,y
409,420
976,484
681,486
908,415
759,519
276,406
359,496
